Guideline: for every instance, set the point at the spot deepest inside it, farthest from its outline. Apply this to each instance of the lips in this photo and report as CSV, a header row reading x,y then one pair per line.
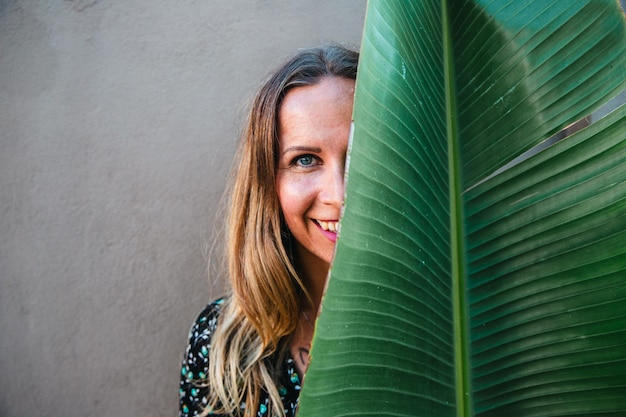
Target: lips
x,y
329,228
328,225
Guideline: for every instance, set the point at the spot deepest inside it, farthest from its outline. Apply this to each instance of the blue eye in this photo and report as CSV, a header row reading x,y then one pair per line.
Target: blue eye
x,y
304,160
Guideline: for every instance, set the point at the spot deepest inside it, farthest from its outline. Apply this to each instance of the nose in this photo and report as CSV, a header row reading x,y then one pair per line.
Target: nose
x,y
333,188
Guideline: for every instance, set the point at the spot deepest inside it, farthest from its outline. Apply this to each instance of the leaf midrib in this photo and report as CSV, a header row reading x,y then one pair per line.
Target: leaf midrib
x,y
459,304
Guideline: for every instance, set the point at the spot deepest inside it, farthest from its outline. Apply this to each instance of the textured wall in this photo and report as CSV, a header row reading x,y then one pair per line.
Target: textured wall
x,y
118,121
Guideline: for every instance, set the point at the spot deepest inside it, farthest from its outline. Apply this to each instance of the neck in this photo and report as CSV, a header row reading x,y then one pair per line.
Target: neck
x,y
314,273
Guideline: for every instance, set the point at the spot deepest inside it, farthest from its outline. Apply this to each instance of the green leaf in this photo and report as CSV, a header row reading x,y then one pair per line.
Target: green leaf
x,y
455,291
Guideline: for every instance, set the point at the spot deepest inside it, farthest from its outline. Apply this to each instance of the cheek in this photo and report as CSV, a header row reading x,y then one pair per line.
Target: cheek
x,y
294,196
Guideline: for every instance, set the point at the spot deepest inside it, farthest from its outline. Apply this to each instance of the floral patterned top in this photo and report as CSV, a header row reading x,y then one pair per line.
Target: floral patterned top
x,y
193,395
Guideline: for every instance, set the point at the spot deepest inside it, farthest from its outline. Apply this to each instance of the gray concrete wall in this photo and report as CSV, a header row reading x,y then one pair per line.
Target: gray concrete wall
x,y
118,121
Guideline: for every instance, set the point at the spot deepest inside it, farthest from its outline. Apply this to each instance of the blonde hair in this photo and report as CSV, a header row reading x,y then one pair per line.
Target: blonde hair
x,y
258,319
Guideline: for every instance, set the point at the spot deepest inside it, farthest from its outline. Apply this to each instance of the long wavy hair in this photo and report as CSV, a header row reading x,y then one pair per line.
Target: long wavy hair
x,y
261,314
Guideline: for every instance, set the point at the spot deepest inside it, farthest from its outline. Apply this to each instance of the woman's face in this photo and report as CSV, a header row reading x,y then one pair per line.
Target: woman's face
x,y
314,126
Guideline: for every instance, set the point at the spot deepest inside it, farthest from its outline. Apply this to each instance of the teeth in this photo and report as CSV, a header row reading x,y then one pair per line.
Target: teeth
x,y
329,226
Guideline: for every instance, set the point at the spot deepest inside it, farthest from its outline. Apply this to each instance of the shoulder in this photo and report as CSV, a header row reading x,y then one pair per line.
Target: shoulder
x,y
193,390
196,359
205,323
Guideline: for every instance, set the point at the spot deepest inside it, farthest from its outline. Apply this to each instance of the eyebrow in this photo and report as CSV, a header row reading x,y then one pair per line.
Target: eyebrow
x,y
302,149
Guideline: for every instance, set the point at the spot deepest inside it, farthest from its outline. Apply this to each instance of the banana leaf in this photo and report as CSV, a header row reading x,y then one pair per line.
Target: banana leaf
x,y
468,280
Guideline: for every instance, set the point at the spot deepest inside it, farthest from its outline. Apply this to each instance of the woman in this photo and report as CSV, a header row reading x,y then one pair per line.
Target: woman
x,y
249,351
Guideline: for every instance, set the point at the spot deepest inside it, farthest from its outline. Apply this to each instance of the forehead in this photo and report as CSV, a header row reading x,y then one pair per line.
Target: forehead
x,y
327,90
315,111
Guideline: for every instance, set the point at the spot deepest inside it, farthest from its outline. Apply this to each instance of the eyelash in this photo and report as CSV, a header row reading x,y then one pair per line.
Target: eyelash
x,y
296,161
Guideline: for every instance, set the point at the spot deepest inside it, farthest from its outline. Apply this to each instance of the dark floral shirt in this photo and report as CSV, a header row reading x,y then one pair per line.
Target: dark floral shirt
x,y
193,395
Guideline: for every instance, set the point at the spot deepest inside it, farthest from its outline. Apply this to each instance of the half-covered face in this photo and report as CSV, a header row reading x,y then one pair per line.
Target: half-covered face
x,y
314,127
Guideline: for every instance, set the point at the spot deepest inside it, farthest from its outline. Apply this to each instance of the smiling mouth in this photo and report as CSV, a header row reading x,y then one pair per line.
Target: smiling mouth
x,y
328,226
